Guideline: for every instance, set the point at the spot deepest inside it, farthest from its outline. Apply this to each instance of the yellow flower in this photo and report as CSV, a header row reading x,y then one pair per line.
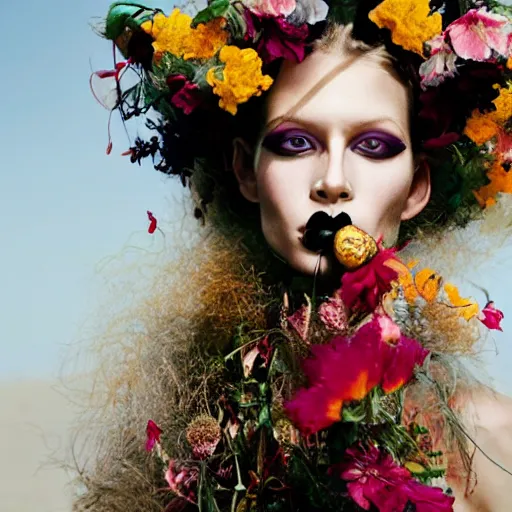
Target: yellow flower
x,y
174,35
509,63
480,128
467,308
500,181
242,77
503,105
409,22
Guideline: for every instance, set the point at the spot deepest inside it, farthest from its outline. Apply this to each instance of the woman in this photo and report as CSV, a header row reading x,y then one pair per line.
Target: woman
x,y
265,384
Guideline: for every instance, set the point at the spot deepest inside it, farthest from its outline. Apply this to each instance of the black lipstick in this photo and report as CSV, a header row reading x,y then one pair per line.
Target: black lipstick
x,y
321,229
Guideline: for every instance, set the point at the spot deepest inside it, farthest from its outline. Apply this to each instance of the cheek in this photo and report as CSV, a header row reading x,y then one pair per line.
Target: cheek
x,y
381,192
283,186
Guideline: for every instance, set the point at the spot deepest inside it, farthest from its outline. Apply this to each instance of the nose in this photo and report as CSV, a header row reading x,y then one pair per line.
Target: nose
x,y
333,185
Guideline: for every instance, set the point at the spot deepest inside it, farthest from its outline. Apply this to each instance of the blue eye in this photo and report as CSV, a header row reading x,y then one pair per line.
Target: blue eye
x,y
378,145
289,142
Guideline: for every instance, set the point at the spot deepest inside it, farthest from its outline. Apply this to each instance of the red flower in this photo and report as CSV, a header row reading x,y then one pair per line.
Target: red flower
x,y
153,432
347,369
375,478
276,38
478,33
184,93
491,317
364,287
152,223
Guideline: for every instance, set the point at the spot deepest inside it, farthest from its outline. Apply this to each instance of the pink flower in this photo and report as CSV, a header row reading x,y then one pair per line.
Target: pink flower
x,y
184,93
333,315
491,317
153,432
440,65
182,480
276,38
347,369
271,7
375,478
152,222
478,33
300,320
363,288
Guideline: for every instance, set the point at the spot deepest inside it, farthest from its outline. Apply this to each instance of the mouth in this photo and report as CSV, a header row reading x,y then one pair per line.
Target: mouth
x,y
319,232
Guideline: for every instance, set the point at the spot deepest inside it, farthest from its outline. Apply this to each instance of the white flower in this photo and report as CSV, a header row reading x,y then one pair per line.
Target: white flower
x,y
309,11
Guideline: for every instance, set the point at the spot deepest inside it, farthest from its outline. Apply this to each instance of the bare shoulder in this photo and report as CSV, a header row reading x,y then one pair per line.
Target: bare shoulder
x,y
489,417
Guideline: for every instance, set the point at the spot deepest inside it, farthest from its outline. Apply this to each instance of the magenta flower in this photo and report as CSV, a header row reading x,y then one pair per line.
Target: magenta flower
x,y
271,7
276,38
152,224
491,317
363,288
184,93
478,33
374,478
402,355
440,65
153,432
347,369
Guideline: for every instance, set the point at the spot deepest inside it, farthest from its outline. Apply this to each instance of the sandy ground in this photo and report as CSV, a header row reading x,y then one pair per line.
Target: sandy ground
x,y
34,428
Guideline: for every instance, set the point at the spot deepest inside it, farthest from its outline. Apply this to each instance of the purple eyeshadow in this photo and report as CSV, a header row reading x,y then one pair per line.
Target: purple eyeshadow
x,y
387,146
289,142
377,145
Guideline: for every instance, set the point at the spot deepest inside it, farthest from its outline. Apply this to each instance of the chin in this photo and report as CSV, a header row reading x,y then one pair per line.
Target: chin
x,y
309,264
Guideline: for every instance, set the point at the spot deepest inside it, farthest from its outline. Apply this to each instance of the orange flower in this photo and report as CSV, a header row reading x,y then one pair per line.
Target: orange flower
x,y
500,182
405,279
428,282
409,21
480,128
467,308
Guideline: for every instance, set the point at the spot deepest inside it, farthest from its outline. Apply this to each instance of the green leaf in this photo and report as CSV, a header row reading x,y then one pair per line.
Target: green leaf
x,y
264,416
122,15
340,437
342,11
216,9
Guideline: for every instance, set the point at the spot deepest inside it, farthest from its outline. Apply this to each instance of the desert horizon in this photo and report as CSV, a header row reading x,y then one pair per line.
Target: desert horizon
x,y
35,427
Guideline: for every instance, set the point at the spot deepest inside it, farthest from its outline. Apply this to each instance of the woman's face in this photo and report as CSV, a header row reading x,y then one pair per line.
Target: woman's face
x,y
347,149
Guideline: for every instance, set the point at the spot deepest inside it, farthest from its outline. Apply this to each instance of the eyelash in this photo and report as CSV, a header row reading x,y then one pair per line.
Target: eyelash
x,y
393,147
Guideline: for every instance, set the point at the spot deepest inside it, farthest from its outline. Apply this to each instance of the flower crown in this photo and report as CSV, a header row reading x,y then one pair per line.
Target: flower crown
x,y
189,69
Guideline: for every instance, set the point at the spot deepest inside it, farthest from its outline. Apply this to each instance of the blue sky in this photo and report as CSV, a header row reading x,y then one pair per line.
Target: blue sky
x,y
66,205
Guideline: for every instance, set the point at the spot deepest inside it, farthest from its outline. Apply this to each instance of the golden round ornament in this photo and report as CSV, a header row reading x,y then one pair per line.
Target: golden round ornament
x,y
353,247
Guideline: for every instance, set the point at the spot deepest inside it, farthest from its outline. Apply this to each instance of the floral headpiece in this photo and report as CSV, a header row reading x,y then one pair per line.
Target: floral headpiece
x,y
193,70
